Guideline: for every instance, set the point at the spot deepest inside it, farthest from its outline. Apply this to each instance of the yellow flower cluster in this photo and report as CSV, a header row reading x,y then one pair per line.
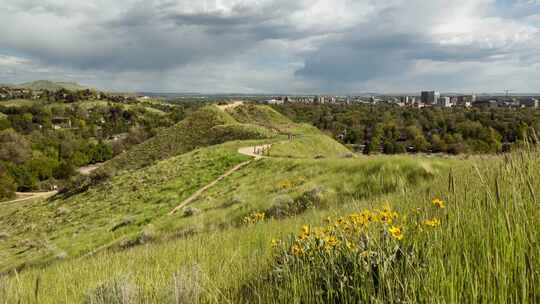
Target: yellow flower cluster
x,y
435,222
360,234
254,218
288,184
439,203
342,232
396,233
363,218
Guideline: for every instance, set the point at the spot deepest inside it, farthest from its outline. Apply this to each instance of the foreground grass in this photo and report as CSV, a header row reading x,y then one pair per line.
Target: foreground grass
x,y
345,185
479,246
483,251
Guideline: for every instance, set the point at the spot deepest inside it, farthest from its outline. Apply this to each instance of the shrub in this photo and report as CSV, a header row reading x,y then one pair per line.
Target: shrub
x,y
285,206
350,259
191,211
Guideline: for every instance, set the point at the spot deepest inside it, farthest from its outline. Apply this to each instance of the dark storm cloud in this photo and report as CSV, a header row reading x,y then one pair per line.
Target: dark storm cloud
x,y
151,36
359,57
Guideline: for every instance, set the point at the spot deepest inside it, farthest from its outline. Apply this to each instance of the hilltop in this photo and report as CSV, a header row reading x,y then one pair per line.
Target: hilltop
x,y
207,126
50,85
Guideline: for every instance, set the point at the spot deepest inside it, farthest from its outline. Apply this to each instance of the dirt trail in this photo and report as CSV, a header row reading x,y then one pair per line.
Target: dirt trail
x,y
196,195
255,152
231,105
30,195
86,170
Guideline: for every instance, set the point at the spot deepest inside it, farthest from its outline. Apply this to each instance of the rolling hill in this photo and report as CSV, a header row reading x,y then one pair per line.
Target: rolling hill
x,y
50,85
207,126
149,180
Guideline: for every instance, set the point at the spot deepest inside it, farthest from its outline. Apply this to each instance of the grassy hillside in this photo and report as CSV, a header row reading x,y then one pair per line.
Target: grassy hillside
x,y
78,223
310,143
277,187
262,115
207,126
40,231
477,245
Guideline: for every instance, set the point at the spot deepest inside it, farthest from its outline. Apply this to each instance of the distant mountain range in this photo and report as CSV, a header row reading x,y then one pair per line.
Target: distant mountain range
x,y
48,85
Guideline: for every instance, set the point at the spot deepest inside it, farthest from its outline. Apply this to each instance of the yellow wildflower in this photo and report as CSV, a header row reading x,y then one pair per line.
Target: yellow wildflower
x,y
254,218
275,243
432,223
331,242
297,250
396,233
438,203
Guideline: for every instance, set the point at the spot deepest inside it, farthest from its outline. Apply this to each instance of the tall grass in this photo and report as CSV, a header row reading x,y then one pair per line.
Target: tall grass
x,y
484,251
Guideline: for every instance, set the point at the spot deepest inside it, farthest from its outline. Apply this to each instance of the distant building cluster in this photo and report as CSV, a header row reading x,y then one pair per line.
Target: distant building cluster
x,y
425,99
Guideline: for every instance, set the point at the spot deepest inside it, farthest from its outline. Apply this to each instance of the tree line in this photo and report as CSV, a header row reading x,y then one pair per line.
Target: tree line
x,y
43,145
391,130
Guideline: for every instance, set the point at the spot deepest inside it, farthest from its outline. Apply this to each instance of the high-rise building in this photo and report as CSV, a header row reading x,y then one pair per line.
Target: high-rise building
x,y
445,102
430,97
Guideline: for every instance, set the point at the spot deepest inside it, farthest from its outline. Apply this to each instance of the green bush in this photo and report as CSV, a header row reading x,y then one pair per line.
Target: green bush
x,y
7,185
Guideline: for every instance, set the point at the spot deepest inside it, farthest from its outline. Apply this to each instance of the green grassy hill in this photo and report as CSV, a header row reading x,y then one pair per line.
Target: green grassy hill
x,y
262,115
152,179
207,126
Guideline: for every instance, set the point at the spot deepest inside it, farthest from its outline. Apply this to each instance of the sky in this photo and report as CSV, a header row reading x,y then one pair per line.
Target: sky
x,y
274,46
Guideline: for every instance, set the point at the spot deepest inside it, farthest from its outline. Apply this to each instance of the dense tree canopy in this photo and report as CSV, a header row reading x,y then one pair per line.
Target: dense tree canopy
x,y
43,144
390,129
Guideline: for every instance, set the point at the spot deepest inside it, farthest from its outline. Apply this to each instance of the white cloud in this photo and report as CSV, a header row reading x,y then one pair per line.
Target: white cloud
x,y
271,45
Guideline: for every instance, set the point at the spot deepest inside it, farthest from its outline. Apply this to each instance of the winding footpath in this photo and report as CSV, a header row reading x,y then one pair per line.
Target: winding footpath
x,y
29,196
254,151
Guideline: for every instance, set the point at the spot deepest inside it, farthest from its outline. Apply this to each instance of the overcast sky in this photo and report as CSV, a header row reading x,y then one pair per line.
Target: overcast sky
x,y
266,46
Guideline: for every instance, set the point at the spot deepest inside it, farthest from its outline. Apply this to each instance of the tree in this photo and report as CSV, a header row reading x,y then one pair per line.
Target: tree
x,y
14,147
4,123
24,178
7,185
417,138
438,144
64,170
